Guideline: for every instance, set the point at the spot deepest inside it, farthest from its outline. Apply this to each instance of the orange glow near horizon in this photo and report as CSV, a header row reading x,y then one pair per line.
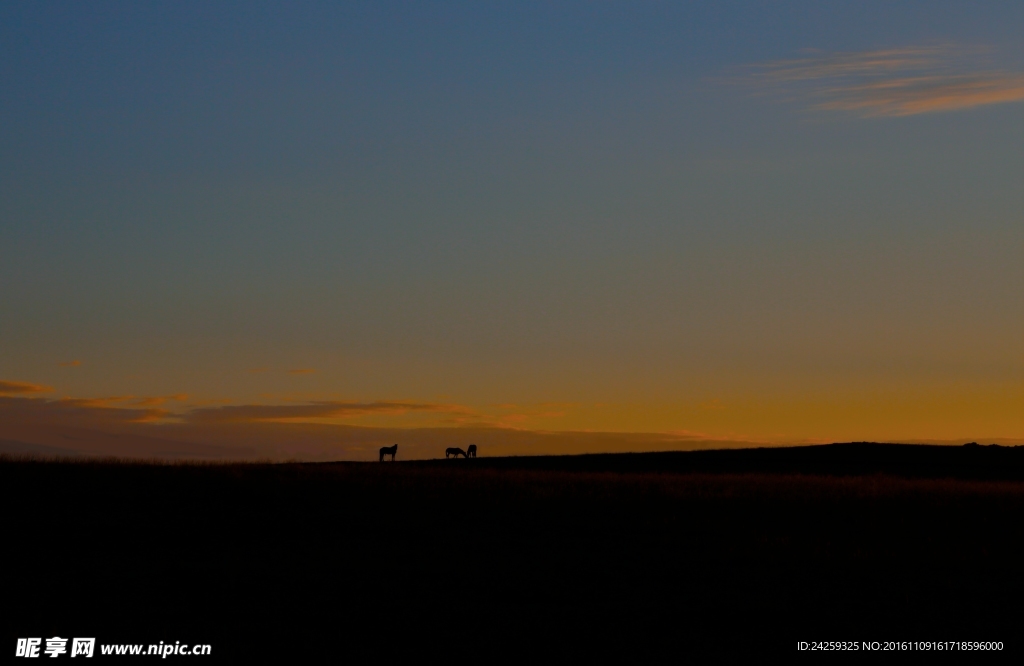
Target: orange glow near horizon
x,y
995,415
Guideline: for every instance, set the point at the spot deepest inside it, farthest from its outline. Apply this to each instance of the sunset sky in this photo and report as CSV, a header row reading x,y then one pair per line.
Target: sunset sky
x,y
303,230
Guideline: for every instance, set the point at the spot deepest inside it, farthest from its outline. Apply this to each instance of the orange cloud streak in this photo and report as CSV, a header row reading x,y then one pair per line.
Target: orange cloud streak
x,y
892,82
23,387
156,401
101,405
312,410
910,96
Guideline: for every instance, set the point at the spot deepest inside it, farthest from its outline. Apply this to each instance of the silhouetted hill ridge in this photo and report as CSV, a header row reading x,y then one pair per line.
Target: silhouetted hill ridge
x,y
488,560
971,461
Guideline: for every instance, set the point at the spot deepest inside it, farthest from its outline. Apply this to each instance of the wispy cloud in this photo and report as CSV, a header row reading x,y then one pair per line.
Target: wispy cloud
x,y
72,411
511,415
301,371
43,426
8,388
890,82
101,402
311,410
156,401
105,402
104,406
70,364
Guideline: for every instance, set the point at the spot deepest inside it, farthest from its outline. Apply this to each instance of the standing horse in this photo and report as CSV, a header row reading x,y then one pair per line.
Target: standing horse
x,y
471,451
388,451
452,451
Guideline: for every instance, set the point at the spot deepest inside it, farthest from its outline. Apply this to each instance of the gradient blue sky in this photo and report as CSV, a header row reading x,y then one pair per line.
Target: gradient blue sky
x,y
644,217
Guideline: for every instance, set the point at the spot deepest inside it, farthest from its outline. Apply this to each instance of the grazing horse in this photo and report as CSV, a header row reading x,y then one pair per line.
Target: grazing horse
x,y
471,451
388,451
452,451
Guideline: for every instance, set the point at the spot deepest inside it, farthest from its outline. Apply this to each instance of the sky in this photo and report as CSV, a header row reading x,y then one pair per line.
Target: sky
x,y
297,230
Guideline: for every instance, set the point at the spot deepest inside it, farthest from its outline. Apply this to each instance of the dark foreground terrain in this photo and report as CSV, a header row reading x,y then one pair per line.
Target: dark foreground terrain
x,y
651,557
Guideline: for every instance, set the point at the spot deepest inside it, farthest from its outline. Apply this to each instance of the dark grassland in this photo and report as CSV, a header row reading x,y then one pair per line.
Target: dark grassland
x,y
651,557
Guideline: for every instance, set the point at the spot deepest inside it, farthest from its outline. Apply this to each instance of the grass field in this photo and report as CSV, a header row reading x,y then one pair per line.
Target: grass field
x,y
505,558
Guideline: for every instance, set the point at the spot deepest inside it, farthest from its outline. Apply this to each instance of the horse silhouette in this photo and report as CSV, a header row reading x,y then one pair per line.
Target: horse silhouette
x,y
388,451
471,451
453,451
